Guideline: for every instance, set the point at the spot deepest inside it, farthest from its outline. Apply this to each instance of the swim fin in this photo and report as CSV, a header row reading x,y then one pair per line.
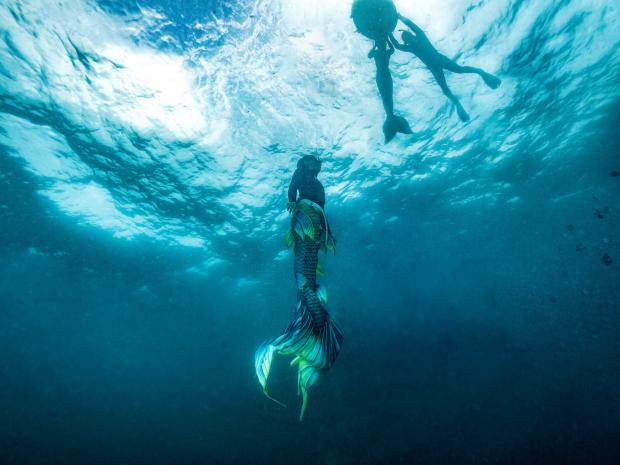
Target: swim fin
x,y
463,115
491,81
395,124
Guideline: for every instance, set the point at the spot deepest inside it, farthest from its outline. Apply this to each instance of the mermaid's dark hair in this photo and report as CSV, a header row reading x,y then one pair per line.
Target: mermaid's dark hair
x,y
309,164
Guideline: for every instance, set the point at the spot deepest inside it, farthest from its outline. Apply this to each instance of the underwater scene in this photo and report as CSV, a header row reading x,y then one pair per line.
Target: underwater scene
x,y
326,232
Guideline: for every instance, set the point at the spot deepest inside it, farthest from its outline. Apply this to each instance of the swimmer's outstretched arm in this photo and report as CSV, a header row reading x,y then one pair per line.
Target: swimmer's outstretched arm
x,y
411,25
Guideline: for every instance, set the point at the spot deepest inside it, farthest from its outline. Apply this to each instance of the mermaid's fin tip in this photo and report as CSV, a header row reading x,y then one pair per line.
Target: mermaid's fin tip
x,y
281,404
304,404
262,363
393,125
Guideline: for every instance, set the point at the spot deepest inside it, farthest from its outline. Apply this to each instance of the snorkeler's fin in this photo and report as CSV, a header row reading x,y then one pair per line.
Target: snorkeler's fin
x,y
393,125
463,115
491,81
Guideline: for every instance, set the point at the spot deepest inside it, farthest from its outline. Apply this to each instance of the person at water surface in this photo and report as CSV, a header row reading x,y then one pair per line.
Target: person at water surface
x,y
382,52
419,44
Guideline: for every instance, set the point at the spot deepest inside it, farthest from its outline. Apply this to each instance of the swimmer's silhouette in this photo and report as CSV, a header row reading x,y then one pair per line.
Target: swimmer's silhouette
x,y
418,44
382,52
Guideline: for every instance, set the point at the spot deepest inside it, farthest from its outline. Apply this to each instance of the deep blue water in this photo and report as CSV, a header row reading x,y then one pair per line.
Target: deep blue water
x,y
145,151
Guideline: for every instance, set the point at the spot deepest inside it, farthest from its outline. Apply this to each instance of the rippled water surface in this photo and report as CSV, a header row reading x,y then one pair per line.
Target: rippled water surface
x,y
145,151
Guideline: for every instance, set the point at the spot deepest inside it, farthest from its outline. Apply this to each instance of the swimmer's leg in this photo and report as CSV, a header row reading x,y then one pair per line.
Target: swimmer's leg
x,y
441,80
393,124
490,80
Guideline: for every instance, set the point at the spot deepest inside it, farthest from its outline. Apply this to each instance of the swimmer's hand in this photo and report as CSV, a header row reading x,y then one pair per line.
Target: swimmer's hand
x,y
291,206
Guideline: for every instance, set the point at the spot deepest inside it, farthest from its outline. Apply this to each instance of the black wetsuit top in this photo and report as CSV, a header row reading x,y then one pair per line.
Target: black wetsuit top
x,y
309,187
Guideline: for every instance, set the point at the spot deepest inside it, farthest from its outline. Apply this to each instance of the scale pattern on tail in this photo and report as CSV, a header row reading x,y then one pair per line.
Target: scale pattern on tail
x,y
312,338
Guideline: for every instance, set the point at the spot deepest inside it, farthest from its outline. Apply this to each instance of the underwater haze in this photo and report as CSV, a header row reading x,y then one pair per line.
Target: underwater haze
x,y
145,151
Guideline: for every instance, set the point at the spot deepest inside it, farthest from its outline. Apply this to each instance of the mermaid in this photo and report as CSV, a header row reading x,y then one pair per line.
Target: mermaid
x,y
313,338
381,52
376,19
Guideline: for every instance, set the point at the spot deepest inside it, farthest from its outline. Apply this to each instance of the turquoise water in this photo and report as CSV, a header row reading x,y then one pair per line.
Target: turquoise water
x,y
145,152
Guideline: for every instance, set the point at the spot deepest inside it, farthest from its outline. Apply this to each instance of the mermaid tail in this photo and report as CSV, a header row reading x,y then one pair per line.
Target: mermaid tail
x,y
313,338
313,351
395,124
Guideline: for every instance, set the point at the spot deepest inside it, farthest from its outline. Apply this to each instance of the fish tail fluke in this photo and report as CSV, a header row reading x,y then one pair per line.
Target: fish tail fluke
x,y
393,125
320,350
402,125
314,345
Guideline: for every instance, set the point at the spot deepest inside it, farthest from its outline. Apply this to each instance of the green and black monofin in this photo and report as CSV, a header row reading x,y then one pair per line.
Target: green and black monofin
x,y
312,338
